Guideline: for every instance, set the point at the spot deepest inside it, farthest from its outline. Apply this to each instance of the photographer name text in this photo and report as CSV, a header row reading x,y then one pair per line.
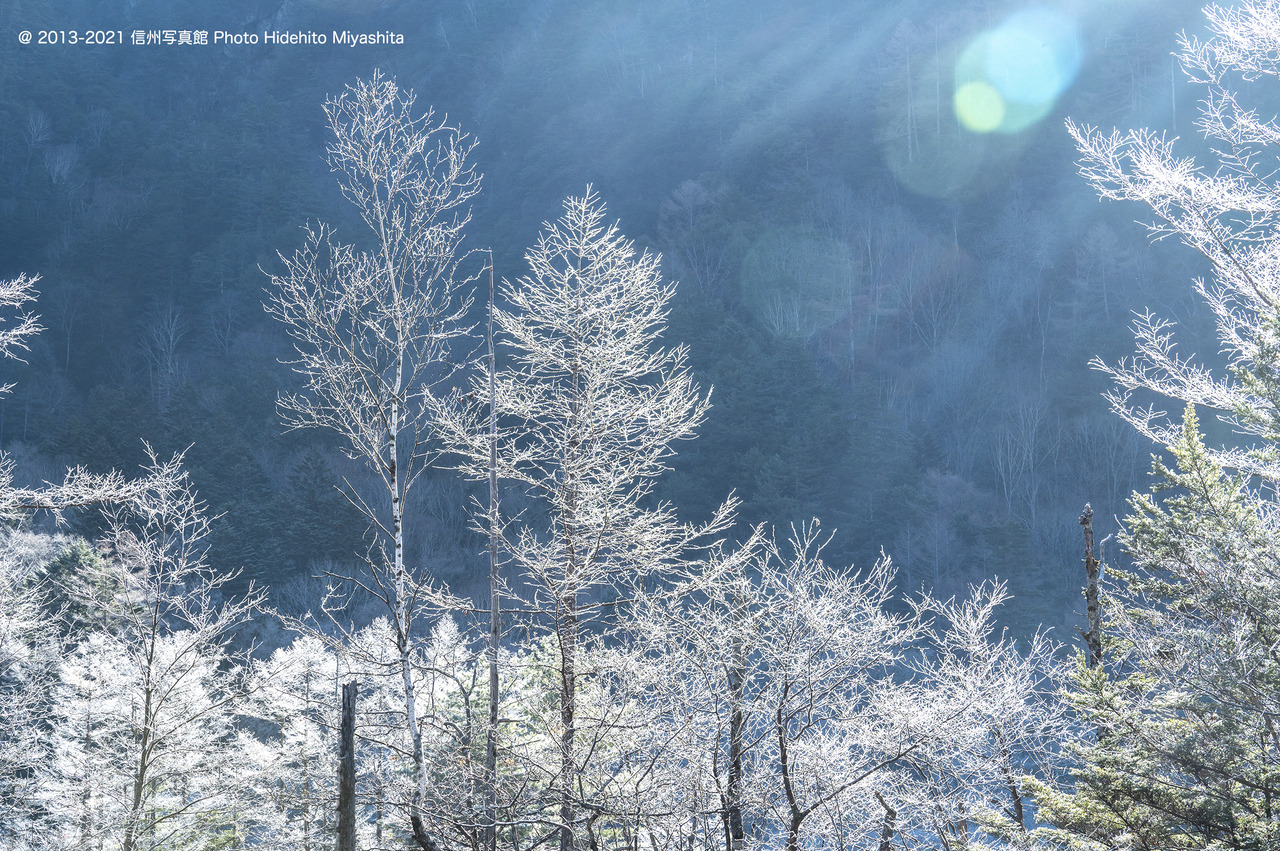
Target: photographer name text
x,y
346,37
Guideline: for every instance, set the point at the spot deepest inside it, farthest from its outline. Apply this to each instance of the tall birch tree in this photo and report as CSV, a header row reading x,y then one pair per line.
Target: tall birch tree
x,y
373,329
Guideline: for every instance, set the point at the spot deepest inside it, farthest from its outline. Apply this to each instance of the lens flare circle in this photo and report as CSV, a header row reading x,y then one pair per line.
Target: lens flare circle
x,y
1027,62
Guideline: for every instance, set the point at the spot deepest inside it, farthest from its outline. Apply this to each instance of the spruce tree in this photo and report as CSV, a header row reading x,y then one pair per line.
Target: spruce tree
x,y
1181,749
1184,753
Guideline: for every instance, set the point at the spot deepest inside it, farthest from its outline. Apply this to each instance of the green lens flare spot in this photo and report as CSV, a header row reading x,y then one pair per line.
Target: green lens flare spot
x,y
979,107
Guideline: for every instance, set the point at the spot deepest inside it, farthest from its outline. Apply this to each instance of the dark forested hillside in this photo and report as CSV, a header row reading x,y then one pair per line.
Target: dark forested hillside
x,y
895,310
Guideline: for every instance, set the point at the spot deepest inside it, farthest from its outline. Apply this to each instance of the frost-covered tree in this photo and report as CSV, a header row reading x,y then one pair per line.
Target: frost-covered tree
x,y
293,749
29,655
799,705
373,329
110,745
837,725
15,293
386,772
693,655
971,785
589,409
446,678
293,764
143,712
31,621
1186,753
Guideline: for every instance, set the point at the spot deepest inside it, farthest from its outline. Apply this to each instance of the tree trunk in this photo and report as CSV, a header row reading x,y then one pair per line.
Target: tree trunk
x,y
889,827
784,765
419,761
793,831
404,625
1016,809
495,604
568,627
1092,595
568,700
140,778
737,684
347,769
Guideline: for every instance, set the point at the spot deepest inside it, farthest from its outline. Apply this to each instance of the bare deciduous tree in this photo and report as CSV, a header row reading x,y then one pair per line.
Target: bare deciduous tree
x,y
836,723
373,330
161,341
173,630
13,338
145,709
1228,213
697,651
1010,724
588,412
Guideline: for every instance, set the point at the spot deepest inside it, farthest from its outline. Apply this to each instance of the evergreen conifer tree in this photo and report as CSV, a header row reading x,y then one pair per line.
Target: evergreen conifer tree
x,y
1183,750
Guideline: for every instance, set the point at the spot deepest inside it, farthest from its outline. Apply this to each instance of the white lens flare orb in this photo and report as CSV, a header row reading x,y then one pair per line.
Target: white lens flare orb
x,y
1008,78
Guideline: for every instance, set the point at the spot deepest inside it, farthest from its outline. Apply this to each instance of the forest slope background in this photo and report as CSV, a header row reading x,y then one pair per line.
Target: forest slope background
x,y
895,312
